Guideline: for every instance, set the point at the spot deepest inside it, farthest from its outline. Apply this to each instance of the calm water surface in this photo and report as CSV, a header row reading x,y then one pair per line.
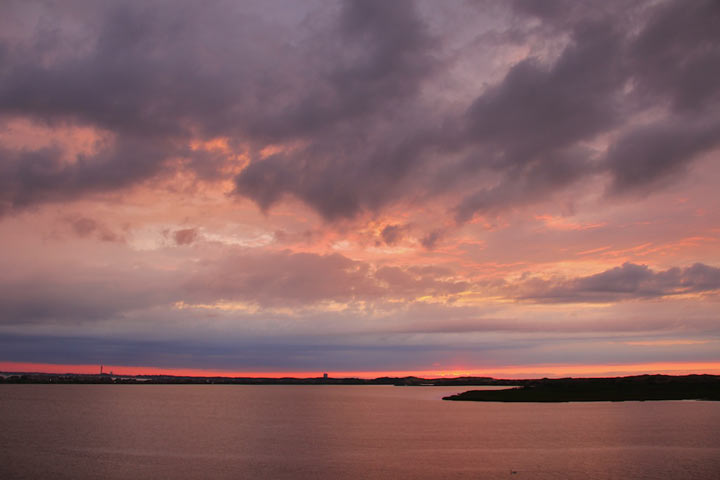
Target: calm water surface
x,y
343,432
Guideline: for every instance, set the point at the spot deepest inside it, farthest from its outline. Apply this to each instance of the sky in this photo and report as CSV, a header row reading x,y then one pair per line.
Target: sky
x,y
503,188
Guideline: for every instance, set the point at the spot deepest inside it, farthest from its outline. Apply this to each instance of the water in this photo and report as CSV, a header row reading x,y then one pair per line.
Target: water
x,y
343,432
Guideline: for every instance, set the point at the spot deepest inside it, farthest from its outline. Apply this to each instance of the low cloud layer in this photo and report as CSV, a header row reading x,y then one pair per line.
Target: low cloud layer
x,y
626,282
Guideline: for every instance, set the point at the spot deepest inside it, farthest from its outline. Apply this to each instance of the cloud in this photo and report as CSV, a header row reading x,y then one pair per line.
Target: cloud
x,y
85,227
79,295
685,36
355,151
528,127
411,283
392,234
531,125
32,177
185,236
660,152
152,76
431,239
627,282
354,100
233,353
236,281
282,279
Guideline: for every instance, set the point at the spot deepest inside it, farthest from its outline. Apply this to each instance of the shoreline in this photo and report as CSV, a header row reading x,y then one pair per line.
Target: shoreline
x,y
629,388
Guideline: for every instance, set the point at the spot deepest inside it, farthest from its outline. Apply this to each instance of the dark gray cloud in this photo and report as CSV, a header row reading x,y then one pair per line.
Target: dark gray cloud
x,y
85,227
165,72
152,75
531,125
676,57
355,157
684,36
576,93
148,70
528,128
31,177
431,239
559,15
392,234
185,236
627,282
353,88
659,152
381,58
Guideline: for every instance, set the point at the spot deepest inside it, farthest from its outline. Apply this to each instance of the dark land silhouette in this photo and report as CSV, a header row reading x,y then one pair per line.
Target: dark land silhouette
x,y
617,389
105,378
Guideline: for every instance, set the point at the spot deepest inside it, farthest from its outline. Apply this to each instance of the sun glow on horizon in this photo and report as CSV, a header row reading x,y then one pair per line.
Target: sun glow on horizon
x,y
510,372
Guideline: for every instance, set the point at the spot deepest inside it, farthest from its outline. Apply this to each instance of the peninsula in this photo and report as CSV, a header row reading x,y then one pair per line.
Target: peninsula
x,y
619,389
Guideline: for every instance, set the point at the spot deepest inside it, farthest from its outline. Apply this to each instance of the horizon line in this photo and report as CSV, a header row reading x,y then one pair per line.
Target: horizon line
x,y
498,372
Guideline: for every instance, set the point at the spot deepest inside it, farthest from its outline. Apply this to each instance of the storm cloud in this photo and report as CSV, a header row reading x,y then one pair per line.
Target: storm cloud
x,y
349,95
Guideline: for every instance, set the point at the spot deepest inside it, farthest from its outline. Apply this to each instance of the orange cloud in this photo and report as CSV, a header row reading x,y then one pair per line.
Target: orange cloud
x,y
561,223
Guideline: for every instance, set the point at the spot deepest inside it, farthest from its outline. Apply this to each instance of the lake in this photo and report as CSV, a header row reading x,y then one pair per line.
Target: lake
x,y
343,432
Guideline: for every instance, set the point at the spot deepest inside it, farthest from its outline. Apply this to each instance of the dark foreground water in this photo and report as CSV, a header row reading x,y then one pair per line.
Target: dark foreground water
x,y
338,432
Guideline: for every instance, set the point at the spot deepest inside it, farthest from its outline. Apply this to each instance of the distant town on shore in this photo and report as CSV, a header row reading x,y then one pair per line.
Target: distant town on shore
x,y
109,378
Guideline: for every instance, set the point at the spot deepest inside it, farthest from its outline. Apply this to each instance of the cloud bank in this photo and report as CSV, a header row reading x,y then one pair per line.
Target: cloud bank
x,y
349,97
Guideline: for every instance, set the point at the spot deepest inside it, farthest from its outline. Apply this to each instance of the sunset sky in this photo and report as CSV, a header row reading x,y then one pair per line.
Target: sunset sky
x,y
360,188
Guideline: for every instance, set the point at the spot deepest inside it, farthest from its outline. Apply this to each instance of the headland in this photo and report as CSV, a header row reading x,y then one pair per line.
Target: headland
x,y
616,389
